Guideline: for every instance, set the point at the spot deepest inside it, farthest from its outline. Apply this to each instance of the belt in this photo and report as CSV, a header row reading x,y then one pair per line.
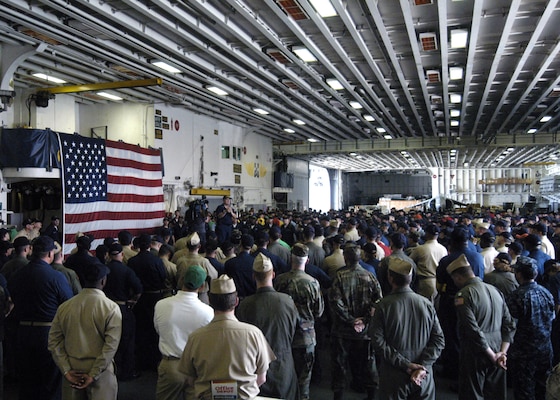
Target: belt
x,y
157,291
170,358
35,323
426,277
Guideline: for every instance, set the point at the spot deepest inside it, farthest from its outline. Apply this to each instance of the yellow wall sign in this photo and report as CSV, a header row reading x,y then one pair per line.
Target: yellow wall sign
x,y
256,170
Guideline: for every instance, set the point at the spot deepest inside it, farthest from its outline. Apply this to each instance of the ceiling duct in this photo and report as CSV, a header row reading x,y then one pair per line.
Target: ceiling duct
x,y
428,41
293,9
277,55
433,76
289,84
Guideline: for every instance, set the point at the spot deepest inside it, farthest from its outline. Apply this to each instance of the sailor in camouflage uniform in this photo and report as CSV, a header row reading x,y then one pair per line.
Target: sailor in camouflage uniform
x,y
306,293
352,297
530,355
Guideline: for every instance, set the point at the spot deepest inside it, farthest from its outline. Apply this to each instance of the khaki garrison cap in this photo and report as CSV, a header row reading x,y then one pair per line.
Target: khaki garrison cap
x,y
193,239
400,266
459,262
262,263
222,285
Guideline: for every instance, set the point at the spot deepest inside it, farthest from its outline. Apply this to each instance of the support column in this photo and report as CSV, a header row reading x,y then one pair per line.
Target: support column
x,y
12,57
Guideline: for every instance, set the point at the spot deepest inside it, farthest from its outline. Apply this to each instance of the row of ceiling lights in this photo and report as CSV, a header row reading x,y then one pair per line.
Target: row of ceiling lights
x,y
325,9
53,79
459,39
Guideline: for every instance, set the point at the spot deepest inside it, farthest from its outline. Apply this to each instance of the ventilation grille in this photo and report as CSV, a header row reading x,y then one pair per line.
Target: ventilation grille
x,y
433,76
289,84
292,8
428,41
278,56
436,99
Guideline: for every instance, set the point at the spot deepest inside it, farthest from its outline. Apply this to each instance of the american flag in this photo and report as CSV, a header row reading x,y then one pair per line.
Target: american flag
x,y
108,187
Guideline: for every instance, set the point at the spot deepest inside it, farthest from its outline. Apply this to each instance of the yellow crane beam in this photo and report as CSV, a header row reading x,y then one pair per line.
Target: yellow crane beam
x,y
89,87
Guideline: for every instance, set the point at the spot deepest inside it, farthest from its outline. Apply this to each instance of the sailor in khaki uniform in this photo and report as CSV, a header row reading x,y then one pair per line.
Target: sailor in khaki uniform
x,y
226,355
84,338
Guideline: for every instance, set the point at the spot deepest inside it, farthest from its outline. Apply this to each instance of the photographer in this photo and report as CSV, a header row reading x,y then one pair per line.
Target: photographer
x,y
225,215
196,217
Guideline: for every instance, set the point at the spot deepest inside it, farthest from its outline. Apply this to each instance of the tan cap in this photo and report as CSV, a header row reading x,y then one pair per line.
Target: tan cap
x,y
262,263
193,239
459,262
400,266
222,285
484,225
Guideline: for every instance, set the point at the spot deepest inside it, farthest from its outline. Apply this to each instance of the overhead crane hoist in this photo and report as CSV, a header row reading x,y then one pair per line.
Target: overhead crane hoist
x,y
43,95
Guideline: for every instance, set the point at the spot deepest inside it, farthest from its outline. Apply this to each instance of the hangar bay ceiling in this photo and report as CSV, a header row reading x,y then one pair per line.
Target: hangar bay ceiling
x,y
364,85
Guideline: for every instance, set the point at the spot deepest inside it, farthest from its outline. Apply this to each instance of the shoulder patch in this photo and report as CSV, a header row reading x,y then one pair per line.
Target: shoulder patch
x,y
459,301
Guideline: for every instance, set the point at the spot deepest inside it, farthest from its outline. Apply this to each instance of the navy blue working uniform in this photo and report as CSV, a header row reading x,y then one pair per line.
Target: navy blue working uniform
x,y
121,283
240,269
37,290
530,355
151,272
224,224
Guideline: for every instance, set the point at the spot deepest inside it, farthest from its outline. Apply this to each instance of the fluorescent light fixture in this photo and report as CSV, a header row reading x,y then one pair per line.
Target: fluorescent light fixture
x,y
109,96
303,53
260,111
459,38
312,140
298,122
455,73
455,113
546,118
324,8
48,78
453,151
388,137
217,90
510,149
356,105
335,84
381,130
353,154
532,130
166,67
454,122
369,118
289,130
455,98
